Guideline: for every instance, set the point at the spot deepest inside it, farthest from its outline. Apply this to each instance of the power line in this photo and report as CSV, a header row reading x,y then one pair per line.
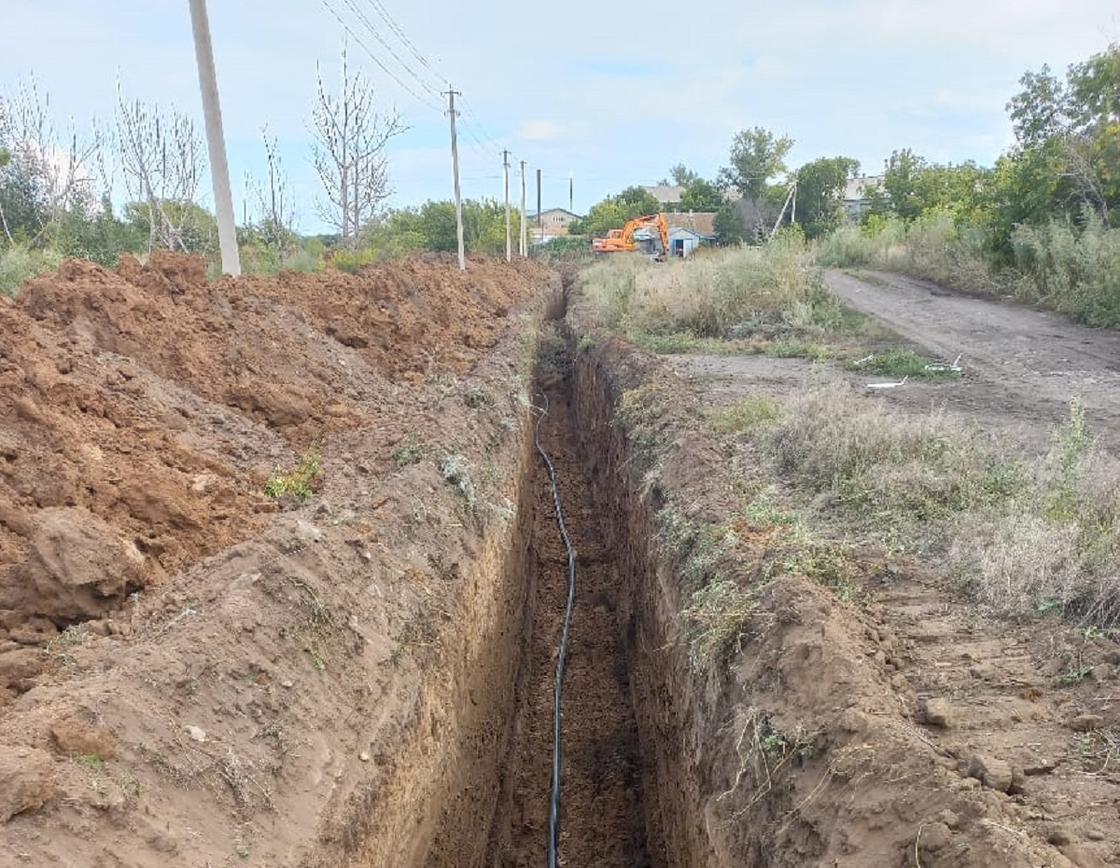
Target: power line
x,y
369,26
399,31
377,60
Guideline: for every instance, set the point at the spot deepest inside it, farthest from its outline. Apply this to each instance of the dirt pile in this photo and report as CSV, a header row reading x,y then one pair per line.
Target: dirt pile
x,y
142,410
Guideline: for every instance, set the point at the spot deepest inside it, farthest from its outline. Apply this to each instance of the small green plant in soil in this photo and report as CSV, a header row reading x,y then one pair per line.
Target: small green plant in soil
x,y
454,469
745,414
904,363
410,452
300,481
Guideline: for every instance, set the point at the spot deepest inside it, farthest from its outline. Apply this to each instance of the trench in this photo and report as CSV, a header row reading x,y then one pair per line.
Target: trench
x,y
602,817
478,793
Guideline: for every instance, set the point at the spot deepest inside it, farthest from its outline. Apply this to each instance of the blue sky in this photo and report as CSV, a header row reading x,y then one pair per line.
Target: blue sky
x,y
613,93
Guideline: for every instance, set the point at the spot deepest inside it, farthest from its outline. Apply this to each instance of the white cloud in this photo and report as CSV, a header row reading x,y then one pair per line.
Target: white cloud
x,y
538,131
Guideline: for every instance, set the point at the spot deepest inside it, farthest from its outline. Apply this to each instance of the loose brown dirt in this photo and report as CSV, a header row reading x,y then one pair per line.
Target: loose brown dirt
x,y
143,409
194,674
602,820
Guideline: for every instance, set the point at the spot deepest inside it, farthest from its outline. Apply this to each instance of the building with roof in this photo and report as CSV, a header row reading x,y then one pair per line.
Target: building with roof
x,y
552,223
687,232
668,196
857,194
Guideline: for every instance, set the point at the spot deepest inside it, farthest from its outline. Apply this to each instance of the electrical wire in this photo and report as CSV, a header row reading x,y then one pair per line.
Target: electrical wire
x,y
562,656
399,31
377,60
373,31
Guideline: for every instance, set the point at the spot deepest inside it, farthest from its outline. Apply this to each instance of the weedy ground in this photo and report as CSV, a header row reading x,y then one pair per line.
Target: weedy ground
x,y
827,470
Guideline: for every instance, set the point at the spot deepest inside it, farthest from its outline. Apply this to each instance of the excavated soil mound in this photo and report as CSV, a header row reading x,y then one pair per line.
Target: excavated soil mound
x,y
142,410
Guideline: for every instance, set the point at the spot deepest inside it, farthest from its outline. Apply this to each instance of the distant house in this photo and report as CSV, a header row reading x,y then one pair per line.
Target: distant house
x,y
667,196
552,223
687,231
857,194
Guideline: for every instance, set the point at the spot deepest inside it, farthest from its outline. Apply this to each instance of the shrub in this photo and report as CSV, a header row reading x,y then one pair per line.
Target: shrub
x,y
770,291
18,264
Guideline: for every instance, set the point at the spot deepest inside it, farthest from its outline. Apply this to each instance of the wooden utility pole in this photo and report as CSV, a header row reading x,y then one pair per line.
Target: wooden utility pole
x,y
215,139
524,225
505,175
540,219
451,94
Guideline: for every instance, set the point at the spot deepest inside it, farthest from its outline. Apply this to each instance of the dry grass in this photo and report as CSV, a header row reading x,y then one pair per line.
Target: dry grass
x,y
770,292
1026,536
1075,270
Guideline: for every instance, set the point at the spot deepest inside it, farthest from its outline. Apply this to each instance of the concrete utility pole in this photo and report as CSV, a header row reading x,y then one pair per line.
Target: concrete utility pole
x,y
505,174
540,219
572,193
215,139
451,94
524,225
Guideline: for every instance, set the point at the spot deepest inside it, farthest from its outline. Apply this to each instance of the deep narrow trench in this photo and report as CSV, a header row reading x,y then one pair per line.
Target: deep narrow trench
x,y
602,817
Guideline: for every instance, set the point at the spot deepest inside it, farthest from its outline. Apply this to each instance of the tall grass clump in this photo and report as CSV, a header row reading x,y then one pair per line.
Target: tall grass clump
x,y
19,264
933,247
882,465
1024,535
1057,548
1075,271
768,291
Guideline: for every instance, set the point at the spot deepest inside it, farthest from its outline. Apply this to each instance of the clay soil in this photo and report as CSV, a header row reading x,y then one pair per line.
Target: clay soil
x,y
192,672
602,819
142,410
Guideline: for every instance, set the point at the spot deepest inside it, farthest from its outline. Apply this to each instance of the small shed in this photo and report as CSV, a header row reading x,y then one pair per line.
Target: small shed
x,y
689,231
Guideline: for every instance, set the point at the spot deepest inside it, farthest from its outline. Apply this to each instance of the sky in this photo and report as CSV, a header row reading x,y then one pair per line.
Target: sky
x,y
607,94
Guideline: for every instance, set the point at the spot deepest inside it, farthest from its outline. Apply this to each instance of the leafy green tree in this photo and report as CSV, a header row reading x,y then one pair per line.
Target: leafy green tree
x,y
683,176
757,156
615,211
701,195
729,225
820,191
898,192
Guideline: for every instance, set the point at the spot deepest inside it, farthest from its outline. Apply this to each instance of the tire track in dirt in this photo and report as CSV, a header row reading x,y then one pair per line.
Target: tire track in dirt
x,y
1019,362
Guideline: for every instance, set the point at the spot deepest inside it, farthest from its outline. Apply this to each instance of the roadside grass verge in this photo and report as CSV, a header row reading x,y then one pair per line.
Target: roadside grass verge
x,y
1072,269
767,293
903,363
767,300
1025,536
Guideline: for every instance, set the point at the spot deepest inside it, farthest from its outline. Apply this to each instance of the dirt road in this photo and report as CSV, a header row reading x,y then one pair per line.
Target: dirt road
x,y
1021,365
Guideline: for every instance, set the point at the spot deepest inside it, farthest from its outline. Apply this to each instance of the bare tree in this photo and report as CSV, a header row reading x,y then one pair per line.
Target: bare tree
x,y
56,167
162,162
274,201
350,137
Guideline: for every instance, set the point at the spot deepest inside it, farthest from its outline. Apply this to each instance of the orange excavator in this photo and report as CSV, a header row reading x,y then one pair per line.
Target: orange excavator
x,y
622,240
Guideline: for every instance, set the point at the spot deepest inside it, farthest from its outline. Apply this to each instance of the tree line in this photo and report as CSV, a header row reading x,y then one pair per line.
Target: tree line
x,y
1064,166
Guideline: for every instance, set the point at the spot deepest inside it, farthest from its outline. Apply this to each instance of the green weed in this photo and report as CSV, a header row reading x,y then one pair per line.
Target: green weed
x,y
300,481
745,414
411,452
903,363
455,470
